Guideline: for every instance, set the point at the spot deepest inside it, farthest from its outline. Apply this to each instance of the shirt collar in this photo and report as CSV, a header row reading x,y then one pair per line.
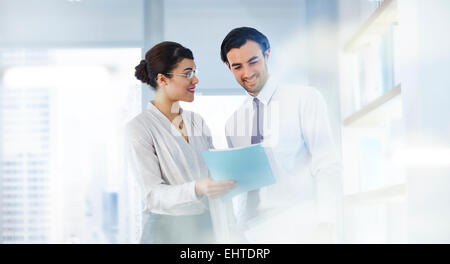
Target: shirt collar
x,y
266,92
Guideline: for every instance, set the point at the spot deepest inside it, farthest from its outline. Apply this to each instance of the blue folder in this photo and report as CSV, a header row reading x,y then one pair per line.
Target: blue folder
x,y
248,166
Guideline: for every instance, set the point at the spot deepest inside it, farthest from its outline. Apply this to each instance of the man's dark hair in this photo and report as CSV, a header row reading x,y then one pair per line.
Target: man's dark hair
x,y
239,36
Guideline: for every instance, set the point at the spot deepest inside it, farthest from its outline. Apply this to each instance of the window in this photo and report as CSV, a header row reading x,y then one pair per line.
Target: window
x,y
62,114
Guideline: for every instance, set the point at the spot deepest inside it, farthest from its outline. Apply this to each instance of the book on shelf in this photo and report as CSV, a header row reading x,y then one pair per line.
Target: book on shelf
x,y
372,68
376,68
387,60
396,53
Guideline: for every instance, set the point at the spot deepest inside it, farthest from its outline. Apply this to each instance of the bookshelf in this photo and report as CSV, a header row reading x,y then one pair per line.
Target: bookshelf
x,y
376,111
394,193
375,188
378,22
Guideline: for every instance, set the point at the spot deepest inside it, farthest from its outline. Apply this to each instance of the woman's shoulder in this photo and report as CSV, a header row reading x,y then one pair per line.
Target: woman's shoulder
x,y
140,124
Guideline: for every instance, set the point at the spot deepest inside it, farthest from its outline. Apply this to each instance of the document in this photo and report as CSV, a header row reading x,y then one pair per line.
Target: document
x,y
248,166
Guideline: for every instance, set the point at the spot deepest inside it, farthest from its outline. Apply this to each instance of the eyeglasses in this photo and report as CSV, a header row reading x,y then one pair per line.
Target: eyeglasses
x,y
188,75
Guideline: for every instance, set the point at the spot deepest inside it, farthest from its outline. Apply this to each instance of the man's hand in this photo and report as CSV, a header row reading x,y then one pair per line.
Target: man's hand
x,y
213,189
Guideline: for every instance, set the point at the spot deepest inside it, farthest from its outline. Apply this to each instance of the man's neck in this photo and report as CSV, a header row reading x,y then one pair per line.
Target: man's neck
x,y
254,94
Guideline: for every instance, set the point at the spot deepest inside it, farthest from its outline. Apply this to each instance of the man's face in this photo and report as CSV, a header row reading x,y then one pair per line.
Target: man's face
x,y
249,66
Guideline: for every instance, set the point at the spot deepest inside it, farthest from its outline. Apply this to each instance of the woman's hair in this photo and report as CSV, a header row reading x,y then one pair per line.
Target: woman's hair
x,y
162,58
239,36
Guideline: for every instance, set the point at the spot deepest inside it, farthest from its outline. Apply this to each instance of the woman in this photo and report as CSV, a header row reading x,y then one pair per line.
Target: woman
x,y
166,144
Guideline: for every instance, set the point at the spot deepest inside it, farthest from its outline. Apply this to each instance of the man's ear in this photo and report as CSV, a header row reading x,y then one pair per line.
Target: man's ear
x,y
266,54
228,65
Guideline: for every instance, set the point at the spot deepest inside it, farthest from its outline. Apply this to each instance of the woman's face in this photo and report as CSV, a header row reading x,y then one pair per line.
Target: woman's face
x,y
179,87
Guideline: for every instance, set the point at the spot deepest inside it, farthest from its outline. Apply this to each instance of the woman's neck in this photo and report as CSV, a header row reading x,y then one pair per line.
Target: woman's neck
x,y
170,109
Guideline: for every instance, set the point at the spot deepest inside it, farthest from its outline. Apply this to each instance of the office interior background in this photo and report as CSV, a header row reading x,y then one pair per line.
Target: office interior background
x,y
67,88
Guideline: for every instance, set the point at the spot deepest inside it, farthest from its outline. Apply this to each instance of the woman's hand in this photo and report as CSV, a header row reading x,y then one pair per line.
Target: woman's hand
x,y
213,189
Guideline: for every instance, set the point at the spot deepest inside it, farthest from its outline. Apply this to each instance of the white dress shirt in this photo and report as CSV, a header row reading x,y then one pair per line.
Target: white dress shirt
x,y
298,139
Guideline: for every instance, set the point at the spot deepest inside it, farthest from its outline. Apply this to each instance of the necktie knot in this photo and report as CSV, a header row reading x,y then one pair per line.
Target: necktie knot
x,y
256,103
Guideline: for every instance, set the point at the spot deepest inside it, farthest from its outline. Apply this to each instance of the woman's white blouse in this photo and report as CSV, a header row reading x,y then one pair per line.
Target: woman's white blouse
x,y
166,163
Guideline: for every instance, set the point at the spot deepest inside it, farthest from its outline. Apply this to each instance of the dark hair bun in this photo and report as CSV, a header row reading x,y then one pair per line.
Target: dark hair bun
x,y
141,72
162,58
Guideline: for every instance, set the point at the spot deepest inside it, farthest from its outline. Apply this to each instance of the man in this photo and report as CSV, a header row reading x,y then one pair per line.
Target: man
x,y
292,123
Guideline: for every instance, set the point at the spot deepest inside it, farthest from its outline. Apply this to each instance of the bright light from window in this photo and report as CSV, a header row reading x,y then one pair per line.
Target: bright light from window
x,y
54,76
67,112
423,157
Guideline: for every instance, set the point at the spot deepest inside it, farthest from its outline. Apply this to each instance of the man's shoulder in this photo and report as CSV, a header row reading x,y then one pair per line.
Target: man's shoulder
x,y
297,89
290,93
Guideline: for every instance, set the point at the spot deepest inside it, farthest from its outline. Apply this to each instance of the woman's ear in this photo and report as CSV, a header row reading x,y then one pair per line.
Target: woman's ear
x,y
161,79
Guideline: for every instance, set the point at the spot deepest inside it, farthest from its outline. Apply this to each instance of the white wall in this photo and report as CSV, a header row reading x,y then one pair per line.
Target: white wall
x,y
202,25
426,104
44,23
322,56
